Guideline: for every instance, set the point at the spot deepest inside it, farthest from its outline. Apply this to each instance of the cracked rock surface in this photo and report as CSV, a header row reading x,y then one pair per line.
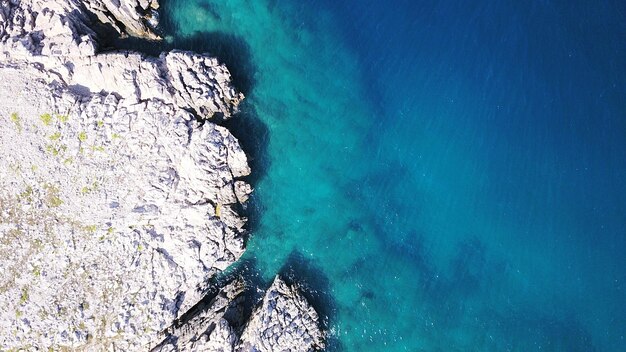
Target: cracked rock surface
x,y
56,37
282,321
119,197
127,16
212,328
113,212
116,204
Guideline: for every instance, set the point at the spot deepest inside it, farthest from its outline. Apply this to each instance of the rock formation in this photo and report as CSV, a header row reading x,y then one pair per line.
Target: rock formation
x,y
119,196
134,17
283,321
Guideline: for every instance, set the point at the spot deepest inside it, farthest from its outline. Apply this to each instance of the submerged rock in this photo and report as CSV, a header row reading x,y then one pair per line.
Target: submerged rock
x,y
119,197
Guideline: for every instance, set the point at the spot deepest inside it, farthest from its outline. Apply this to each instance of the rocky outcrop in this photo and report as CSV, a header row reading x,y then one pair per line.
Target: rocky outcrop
x,y
57,37
119,196
114,211
189,81
283,321
117,203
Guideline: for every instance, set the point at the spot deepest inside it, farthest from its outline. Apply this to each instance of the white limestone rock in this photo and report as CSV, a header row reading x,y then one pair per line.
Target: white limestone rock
x,y
242,191
201,83
190,81
56,36
41,27
284,321
116,203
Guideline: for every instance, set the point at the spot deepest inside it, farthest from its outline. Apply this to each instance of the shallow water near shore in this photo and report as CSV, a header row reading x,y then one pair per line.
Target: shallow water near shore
x,y
453,175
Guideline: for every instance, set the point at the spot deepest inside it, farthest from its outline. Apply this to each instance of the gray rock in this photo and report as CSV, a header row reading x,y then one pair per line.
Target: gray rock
x,y
51,28
284,321
56,36
122,204
127,17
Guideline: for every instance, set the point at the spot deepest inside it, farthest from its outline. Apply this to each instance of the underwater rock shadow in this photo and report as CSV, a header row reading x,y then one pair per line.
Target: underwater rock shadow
x,y
514,328
253,136
315,287
469,266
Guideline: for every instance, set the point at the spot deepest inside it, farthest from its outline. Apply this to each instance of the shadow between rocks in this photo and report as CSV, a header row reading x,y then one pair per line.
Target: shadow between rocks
x,y
246,301
298,270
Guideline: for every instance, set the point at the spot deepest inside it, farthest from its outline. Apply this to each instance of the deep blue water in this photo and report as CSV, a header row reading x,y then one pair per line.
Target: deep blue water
x,y
443,176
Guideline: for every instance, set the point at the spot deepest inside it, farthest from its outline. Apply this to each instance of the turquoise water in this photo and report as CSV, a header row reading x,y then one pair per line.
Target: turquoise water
x,y
442,176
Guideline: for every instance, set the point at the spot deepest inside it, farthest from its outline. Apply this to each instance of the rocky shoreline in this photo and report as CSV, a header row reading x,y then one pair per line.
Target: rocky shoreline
x,y
120,196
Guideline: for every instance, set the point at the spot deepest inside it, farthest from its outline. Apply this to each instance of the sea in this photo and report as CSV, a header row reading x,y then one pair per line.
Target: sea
x,y
436,175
